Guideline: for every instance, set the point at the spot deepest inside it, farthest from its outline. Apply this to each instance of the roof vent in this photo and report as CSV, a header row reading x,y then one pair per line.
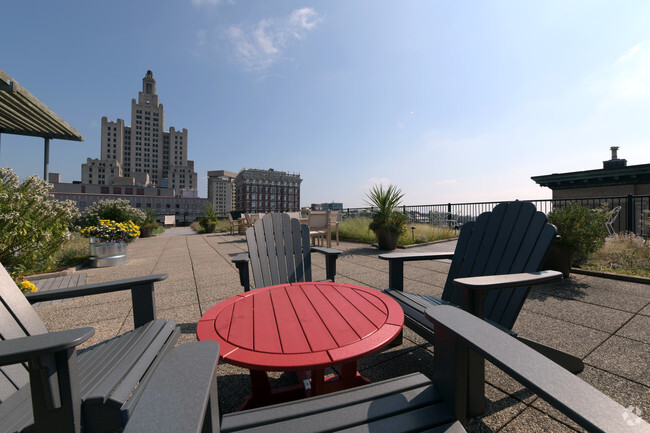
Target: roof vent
x,y
614,163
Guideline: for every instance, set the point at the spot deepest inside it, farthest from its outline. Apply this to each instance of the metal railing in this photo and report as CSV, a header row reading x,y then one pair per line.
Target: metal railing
x,y
630,218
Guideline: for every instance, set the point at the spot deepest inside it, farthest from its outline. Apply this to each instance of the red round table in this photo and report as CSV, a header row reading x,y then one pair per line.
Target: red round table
x,y
302,327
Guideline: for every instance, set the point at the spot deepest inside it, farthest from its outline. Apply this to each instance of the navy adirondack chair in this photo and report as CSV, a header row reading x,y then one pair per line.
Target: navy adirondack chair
x,y
279,252
403,404
509,246
47,385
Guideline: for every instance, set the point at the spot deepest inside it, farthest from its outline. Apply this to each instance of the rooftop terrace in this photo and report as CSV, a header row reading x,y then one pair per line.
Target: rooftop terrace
x,y
605,322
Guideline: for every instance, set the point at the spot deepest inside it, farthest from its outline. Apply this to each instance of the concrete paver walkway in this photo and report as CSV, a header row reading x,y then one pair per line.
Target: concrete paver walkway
x,y
605,322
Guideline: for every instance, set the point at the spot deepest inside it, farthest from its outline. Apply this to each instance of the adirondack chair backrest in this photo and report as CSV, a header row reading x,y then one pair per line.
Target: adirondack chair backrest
x,y
17,319
279,250
513,238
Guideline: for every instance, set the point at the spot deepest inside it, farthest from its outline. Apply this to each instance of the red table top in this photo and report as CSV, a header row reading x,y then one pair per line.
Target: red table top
x,y
301,326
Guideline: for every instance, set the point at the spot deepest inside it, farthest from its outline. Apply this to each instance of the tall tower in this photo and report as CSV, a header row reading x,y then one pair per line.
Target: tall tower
x,y
144,151
146,135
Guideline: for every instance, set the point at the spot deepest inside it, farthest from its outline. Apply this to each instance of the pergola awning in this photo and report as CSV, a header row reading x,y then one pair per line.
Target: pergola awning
x,y
22,114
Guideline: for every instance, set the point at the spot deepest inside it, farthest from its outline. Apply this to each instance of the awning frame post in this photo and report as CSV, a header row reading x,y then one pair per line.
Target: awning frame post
x,y
46,160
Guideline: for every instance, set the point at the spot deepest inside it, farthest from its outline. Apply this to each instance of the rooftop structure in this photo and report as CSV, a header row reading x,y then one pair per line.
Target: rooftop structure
x,y
600,320
22,114
616,178
161,201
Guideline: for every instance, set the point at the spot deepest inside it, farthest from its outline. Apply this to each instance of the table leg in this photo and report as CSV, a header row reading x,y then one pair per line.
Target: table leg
x,y
263,395
349,377
318,381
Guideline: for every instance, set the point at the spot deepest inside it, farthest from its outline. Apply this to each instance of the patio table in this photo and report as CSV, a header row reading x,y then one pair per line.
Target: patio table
x,y
303,327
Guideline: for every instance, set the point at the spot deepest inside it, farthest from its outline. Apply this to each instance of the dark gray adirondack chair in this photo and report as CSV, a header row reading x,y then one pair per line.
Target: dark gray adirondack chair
x,y
279,252
514,238
181,396
402,404
47,384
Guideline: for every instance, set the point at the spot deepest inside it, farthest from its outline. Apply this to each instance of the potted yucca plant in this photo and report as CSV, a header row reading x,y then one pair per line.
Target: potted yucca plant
x,y
387,222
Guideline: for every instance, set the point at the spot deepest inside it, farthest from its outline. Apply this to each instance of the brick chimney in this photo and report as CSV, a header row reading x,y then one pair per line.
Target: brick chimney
x,y
614,163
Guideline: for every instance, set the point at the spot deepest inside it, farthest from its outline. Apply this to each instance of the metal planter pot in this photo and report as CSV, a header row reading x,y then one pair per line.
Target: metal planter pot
x,y
106,254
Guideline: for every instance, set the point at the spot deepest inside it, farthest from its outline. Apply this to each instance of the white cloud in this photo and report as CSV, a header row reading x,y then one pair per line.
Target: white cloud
x,y
260,45
303,19
266,41
626,79
205,2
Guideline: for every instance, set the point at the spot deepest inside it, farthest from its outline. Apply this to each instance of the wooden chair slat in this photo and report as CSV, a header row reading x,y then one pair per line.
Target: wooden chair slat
x,y
282,258
299,254
293,258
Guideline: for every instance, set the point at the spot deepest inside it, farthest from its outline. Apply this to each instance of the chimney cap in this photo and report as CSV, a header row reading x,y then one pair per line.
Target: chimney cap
x,y
614,163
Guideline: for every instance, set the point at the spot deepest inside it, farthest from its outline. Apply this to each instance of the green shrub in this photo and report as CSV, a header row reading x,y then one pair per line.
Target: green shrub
x,y
33,226
582,229
117,210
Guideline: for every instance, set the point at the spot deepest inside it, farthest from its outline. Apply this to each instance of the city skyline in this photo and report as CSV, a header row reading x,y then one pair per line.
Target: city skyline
x,y
452,102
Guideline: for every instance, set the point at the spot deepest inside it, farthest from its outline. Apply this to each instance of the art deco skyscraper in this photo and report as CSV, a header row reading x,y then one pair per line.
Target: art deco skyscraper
x,y
144,150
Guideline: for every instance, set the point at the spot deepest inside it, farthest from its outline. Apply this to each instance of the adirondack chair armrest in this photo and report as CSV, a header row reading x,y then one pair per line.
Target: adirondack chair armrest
x,y
475,288
581,402
53,375
327,251
181,396
23,349
396,265
330,260
142,294
508,281
241,262
408,257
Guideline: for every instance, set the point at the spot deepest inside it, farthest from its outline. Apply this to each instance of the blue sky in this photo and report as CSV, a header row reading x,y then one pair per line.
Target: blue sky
x,y
452,101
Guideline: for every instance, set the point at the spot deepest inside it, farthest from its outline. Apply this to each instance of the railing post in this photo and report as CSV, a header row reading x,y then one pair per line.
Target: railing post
x,y
631,214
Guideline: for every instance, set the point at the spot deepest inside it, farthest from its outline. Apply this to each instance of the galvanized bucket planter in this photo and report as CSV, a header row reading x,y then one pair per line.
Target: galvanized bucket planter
x,y
106,254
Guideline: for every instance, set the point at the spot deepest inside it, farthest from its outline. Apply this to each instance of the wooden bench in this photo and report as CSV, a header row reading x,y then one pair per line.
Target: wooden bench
x,y
45,284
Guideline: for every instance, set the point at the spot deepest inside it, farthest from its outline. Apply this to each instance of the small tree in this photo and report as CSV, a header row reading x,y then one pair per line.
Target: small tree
x,y
33,226
118,210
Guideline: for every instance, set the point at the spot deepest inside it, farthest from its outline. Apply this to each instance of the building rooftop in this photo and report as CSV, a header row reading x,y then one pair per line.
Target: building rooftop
x,y
605,322
614,172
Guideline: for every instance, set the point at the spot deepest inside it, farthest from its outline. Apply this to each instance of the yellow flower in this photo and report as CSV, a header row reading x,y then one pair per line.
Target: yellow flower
x,y
26,287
